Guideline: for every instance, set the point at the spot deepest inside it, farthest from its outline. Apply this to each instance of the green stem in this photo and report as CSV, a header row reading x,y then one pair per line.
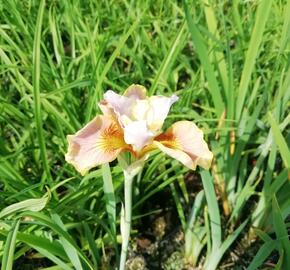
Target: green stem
x,y
125,231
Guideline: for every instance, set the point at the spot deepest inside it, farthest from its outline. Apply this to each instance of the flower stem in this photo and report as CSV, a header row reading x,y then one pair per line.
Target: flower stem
x,y
126,227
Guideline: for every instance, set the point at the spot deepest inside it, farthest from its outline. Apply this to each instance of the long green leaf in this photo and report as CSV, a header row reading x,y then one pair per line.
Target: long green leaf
x,y
70,250
264,251
36,89
36,242
285,36
7,259
43,219
201,49
217,254
93,247
281,231
98,91
190,232
252,53
34,205
179,208
174,47
213,209
280,141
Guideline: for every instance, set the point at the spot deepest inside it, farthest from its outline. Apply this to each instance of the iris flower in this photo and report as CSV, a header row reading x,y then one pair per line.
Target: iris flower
x,y
133,122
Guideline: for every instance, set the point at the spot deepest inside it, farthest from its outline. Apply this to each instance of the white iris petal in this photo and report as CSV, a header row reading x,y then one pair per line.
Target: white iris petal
x,y
137,134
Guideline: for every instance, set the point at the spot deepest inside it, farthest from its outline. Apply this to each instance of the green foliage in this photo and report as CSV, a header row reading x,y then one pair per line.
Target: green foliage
x,y
228,61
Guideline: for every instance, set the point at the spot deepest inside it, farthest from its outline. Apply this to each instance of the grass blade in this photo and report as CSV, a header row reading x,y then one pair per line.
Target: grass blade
x,y
280,141
285,36
169,58
281,231
209,11
202,52
217,254
213,209
7,259
53,247
36,90
34,205
252,53
262,255
43,219
93,247
67,246
51,250
178,206
107,67
190,237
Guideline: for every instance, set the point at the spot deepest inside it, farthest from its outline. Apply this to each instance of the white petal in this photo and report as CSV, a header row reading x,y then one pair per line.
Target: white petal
x,y
137,134
141,109
160,107
121,105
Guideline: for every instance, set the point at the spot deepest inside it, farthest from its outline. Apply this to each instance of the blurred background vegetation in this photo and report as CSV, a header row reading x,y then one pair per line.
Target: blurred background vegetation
x,y
228,61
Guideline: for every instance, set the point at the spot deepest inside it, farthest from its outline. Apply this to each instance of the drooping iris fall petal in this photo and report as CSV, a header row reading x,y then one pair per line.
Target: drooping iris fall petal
x,y
99,142
184,142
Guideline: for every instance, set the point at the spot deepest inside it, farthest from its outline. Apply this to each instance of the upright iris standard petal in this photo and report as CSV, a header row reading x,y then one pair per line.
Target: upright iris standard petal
x,y
159,109
99,142
136,91
120,104
184,142
134,105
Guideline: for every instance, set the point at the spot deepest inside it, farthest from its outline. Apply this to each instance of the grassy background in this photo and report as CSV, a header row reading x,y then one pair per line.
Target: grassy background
x,y
228,61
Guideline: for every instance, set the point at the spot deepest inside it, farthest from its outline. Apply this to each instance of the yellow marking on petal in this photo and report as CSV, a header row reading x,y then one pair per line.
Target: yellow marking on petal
x,y
145,150
111,139
184,142
168,139
99,142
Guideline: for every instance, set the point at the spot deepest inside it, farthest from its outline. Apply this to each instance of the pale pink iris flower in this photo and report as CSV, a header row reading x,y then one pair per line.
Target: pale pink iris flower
x,y
133,122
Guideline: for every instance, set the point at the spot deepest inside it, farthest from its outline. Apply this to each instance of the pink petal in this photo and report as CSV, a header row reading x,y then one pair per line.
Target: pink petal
x,y
99,142
184,142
